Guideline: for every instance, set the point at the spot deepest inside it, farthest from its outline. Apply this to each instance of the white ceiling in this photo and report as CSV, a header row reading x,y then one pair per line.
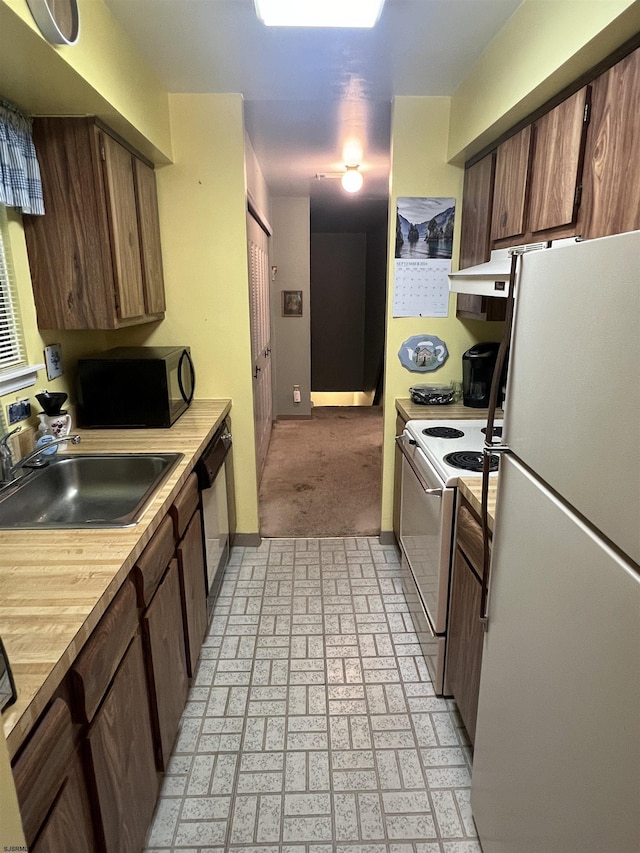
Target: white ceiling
x,y
307,91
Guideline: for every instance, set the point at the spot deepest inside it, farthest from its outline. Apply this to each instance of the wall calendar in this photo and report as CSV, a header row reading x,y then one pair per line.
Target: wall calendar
x,y
424,238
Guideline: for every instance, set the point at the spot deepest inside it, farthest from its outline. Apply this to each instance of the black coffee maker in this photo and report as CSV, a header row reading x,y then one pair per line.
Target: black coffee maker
x,y
478,364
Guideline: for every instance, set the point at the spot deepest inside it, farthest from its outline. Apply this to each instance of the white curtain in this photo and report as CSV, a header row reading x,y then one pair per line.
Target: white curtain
x,y
20,184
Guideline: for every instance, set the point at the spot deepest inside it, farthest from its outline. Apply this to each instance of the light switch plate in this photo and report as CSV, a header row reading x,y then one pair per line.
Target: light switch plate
x,y
53,360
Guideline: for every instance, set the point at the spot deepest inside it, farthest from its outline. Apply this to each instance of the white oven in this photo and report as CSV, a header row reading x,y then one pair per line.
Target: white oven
x,y
427,516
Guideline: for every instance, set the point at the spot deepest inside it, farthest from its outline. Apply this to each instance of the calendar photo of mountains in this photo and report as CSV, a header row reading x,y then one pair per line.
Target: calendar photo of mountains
x,y
424,228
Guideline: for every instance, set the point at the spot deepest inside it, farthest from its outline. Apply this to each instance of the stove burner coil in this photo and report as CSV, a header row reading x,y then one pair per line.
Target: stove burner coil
x,y
497,431
443,432
470,460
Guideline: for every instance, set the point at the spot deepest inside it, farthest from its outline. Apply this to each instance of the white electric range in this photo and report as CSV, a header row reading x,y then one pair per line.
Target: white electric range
x,y
435,454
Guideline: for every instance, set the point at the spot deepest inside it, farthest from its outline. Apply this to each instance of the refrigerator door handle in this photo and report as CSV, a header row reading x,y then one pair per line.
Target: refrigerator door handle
x,y
494,448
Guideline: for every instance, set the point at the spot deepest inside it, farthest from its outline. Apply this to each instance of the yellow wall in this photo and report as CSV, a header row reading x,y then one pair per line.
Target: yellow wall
x,y
543,47
101,75
202,200
419,168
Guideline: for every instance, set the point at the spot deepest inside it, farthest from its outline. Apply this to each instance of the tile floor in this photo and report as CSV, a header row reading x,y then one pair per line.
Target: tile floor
x,y
312,725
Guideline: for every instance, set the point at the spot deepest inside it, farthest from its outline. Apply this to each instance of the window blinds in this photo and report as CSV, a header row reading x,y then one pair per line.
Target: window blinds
x,y
12,351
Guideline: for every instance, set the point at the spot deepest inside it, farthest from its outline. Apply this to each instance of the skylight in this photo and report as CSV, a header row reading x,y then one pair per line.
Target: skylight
x,y
319,13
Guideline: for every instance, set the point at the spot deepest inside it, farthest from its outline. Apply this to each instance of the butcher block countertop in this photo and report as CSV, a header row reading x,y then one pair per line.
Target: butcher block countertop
x,y
471,489
410,411
56,584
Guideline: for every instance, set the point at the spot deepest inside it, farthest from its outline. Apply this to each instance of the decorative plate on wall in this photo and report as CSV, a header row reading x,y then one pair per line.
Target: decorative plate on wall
x,y
57,20
422,353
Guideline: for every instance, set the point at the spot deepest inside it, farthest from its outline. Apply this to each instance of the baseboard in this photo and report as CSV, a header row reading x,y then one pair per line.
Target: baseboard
x,y
247,540
387,537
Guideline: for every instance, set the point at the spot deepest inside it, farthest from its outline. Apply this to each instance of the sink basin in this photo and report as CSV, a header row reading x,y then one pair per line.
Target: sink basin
x,y
85,491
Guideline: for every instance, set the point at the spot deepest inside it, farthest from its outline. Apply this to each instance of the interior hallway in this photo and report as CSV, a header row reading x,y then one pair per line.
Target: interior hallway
x,y
312,725
323,476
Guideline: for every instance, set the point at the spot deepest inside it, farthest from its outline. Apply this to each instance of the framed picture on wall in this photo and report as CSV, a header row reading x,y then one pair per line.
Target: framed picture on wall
x,y
292,303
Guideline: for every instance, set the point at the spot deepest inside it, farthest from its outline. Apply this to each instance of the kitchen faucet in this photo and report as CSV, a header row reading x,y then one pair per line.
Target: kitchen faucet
x,y
9,469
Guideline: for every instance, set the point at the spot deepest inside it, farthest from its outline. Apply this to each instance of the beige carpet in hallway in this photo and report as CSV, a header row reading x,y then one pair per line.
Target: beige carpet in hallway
x,y
322,476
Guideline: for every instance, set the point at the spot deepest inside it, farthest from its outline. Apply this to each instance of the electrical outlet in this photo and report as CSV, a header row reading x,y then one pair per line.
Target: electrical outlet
x,y
18,411
296,393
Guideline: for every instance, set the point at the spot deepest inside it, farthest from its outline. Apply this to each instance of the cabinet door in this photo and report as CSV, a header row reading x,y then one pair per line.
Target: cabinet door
x,y
41,769
69,826
471,306
164,642
125,239
192,582
611,195
69,248
477,201
122,758
464,641
510,194
149,226
557,163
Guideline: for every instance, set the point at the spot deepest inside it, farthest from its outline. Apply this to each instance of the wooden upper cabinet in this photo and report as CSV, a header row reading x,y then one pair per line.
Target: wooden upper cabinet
x,y
125,238
477,201
149,230
611,193
557,163
95,254
510,192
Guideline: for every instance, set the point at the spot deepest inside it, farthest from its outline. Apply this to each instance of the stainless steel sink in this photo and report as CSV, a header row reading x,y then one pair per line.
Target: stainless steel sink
x,y
85,491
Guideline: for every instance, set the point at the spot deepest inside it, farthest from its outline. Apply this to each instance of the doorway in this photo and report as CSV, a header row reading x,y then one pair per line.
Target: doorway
x,y
348,290
323,472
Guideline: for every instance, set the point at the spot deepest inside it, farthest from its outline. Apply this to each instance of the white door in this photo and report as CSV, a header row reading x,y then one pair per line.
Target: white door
x,y
258,255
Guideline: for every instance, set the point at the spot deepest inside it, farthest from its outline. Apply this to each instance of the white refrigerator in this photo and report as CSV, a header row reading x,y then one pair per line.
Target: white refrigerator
x,y
556,767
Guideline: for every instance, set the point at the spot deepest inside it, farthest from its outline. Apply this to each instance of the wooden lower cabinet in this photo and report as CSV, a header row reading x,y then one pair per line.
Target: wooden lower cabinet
x,y
53,798
69,825
192,582
465,635
464,642
123,768
166,662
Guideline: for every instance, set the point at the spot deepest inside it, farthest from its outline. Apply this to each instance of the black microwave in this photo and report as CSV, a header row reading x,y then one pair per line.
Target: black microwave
x,y
135,387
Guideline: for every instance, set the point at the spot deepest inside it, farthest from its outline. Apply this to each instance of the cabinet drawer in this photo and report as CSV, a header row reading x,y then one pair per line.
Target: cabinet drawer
x,y
469,537
185,505
151,564
95,667
41,769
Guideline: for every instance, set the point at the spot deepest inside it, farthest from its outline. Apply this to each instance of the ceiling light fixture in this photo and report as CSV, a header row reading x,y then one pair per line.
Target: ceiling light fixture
x,y
352,180
319,13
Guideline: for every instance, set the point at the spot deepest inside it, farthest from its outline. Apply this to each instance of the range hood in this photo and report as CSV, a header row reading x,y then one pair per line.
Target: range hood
x,y
492,278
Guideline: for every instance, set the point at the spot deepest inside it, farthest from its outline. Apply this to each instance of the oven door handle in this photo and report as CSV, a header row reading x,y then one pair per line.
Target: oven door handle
x,y
401,441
